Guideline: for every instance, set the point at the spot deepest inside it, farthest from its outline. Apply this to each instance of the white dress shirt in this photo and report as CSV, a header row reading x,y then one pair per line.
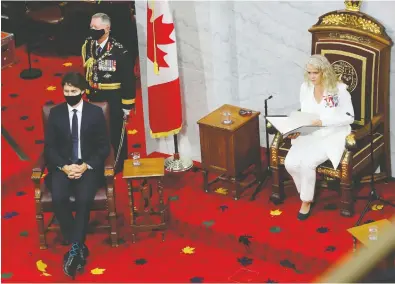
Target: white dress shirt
x,y
79,116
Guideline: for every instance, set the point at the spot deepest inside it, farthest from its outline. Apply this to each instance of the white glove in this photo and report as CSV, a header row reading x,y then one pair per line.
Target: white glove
x,y
126,111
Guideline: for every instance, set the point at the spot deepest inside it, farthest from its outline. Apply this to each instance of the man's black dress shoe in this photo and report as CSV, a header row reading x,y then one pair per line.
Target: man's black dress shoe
x,y
72,261
72,264
84,252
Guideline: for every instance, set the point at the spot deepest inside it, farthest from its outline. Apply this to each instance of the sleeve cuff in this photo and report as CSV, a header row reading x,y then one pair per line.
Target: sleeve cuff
x,y
128,101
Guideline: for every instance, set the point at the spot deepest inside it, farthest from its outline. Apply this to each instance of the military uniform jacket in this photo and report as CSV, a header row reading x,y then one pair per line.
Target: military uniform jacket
x,y
111,69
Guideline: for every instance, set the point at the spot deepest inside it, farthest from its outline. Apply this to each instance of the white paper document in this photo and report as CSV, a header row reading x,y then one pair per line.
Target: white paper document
x,y
296,122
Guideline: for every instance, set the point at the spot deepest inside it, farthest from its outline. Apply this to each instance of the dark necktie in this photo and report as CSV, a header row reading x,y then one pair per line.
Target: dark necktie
x,y
98,50
74,137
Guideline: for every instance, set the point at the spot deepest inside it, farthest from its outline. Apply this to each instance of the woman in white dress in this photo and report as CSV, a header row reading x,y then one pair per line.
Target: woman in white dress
x,y
324,95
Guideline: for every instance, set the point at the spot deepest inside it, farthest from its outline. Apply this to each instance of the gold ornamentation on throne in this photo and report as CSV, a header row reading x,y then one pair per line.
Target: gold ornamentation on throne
x,y
350,141
346,73
344,164
356,38
353,5
354,21
274,150
328,172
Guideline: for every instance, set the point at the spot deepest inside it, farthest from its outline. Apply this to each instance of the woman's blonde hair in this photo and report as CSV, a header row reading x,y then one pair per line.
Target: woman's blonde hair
x,y
329,77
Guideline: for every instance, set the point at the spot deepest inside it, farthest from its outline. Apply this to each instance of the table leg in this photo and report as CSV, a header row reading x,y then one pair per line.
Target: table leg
x,y
235,187
145,190
258,172
131,206
205,180
161,205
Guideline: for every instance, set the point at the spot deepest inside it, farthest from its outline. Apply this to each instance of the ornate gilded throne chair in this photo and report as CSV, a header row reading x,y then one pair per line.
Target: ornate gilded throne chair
x,y
359,50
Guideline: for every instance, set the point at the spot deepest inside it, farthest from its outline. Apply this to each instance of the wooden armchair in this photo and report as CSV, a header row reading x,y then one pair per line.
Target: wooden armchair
x,y
359,50
104,199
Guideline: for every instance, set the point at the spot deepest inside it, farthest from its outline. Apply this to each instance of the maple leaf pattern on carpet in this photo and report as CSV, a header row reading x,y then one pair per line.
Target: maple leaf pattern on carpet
x,y
140,261
245,261
223,208
288,264
330,248
245,240
323,230
196,279
9,215
208,224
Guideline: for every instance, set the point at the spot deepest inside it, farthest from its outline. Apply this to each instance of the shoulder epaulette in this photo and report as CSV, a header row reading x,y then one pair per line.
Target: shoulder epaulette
x,y
116,43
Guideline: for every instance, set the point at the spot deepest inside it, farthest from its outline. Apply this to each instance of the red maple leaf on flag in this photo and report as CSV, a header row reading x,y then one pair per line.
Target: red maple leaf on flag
x,y
162,36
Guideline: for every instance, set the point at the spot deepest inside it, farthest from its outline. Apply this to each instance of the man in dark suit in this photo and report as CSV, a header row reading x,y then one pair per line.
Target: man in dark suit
x,y
76,146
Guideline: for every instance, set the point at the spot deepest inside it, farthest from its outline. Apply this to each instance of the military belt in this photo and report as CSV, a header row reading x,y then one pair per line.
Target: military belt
x,y
102,86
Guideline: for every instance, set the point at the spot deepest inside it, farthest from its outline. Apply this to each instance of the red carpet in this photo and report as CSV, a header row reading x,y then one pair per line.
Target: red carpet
x,y
229,241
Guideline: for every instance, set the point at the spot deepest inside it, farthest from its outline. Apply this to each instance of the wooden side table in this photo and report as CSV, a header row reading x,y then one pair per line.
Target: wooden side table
x,y
150,170
361,234
230,150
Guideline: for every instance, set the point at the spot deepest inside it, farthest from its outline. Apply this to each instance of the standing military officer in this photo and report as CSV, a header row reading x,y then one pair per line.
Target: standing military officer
x,y
109,72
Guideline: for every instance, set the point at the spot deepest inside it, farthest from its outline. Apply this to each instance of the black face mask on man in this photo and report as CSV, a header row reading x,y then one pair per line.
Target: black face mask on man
x,y
73,100
96,34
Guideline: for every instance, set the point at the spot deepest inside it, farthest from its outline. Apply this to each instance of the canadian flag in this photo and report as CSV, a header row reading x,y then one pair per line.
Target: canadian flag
x,y
164,95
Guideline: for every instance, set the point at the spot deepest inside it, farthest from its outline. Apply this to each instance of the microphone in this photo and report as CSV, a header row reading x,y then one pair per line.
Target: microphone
x,y
349,114
270,97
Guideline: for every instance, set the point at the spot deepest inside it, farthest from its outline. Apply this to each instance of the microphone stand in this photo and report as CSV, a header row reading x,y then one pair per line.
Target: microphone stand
x,y
30,73
267,172
373,195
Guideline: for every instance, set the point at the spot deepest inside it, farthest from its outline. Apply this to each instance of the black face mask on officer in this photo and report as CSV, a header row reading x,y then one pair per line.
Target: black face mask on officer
x,y
96,34
73,100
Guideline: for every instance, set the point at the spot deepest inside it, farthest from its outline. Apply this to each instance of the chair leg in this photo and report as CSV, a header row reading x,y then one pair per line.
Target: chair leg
x,y
347,200
112,219
41,231
278,194
112,211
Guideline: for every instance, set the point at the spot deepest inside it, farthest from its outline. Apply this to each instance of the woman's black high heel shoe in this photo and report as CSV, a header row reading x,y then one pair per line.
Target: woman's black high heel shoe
x,y
302,216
